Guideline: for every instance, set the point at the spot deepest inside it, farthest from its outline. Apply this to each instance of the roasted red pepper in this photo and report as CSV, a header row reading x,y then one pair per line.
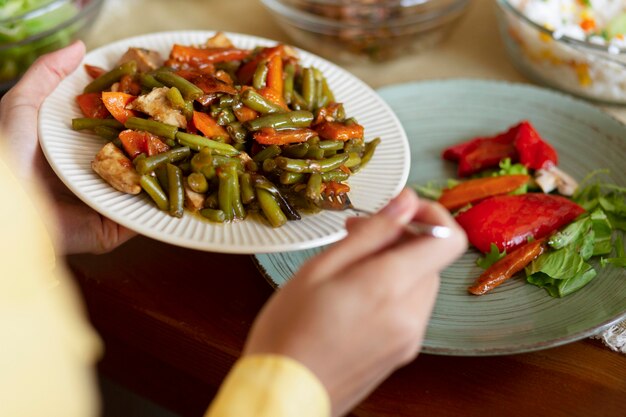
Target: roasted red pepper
x,y
136,143
92,106
520,143
509,220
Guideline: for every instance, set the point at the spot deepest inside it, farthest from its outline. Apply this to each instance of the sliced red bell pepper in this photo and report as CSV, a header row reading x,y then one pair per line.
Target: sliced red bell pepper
x,y
533,151
508,266
478,189
509,220
116,103
519,143
136,143
269,136
92,106
94,71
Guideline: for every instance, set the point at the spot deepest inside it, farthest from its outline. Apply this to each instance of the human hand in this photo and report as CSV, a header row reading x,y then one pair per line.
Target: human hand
x,y
359,310
80,228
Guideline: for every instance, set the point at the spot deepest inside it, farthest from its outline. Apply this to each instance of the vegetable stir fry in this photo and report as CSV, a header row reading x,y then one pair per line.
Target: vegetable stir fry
x,y
222,131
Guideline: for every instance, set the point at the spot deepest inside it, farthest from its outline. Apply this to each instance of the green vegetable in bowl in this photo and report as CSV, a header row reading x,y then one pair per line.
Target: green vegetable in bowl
x,y
21,21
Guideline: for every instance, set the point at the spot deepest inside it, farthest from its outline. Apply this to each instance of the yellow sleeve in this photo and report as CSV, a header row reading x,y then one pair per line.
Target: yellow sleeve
x,y
270,386
47,347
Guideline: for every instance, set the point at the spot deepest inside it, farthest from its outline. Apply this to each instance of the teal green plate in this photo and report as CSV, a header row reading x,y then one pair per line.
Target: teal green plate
x,y
515,317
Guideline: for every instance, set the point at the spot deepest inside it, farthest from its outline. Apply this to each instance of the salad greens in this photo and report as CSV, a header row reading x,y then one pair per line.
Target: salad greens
x,y
16,26
564,268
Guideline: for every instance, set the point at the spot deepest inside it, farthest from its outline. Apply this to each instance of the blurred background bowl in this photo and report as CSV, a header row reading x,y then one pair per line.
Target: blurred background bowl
x,y
30,28
377,30
585,69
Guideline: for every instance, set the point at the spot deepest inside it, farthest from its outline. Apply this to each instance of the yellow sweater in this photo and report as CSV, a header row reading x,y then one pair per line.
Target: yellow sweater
x,y
47,347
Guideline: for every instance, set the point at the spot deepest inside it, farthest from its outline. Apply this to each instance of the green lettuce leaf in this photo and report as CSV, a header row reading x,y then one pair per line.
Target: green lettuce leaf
x,y
490,258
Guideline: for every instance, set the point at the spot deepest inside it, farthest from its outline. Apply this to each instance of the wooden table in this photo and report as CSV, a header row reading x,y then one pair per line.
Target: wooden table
x,y
174,320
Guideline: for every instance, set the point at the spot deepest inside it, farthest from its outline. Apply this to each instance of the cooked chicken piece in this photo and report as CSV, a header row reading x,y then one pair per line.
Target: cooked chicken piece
x,y
219,40
146,59
553,178
157,105
116,169
193,201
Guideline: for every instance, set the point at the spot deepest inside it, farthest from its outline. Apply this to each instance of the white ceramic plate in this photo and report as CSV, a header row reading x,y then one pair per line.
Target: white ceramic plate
x,y
70,154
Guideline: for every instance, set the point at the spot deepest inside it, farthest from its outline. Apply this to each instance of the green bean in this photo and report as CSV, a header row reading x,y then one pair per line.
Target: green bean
x,y
216,216
308,88
310,166
224,193
240,211
314,187
225,117
152,126
139,158
237,132
259,103
220,160
328,93
288,178
151,186
354,145
269,165
106,80
297,101
260,75
211,201
188,110
336,175
289,120
197,182
251,166
153,162
149,82
227,101
161,175
106,132
189,90
196,143
269,152
315,152
353,160
185,166
247,190
290,71
320,100
270,208
263,183
202,163
170,142
298,150
330,145
175,98
367,154
176,190
82,123
117,142
329,153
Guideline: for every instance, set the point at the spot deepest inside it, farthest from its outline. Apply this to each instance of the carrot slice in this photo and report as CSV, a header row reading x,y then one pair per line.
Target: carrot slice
x,y
207,125
274,86
477,189
189,54
116,103
136,143
508,266
269,136
246,71
92,106
339,131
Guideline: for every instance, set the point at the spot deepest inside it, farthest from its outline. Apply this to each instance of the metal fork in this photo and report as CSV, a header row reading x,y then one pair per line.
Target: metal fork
x,y
331,201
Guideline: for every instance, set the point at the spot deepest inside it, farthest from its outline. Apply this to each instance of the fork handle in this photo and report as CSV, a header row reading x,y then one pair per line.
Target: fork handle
x,y
417,228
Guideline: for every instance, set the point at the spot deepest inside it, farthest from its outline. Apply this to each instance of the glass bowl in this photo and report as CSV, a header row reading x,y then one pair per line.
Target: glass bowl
x,y
33,28
585,69
377,30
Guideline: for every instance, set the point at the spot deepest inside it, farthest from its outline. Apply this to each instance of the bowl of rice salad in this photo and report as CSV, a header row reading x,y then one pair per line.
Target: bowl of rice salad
x,y
578,46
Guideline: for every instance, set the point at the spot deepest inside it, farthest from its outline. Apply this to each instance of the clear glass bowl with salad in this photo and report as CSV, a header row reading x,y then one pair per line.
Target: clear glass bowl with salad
x,y
578,46
30,28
